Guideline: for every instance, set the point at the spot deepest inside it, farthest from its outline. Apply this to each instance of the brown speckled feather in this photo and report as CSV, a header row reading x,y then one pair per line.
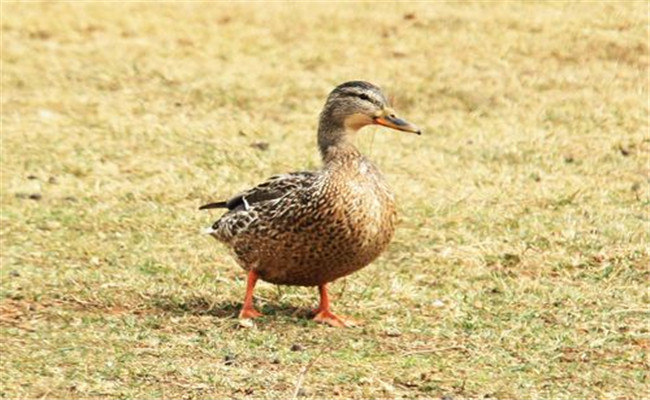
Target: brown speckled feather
x,y
311,228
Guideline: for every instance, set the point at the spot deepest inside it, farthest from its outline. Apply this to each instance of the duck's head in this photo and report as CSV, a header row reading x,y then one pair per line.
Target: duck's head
x,y
353,105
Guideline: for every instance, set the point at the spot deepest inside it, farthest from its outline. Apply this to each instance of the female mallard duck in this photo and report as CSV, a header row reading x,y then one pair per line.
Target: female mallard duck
x,y
309,228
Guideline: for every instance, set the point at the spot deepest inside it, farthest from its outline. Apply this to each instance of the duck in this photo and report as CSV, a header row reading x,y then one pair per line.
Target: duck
x,y
310,228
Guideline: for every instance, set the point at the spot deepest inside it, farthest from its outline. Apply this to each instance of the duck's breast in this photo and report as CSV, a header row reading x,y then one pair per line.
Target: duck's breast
x,y
370,206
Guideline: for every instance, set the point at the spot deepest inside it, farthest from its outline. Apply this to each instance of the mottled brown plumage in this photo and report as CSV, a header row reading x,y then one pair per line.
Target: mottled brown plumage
x,y
310,228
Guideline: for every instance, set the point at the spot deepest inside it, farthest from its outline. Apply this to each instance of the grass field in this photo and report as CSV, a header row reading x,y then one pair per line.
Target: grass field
x,y
520,264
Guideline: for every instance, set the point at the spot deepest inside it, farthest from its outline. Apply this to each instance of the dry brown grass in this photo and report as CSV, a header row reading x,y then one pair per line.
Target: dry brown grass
x,y
520,266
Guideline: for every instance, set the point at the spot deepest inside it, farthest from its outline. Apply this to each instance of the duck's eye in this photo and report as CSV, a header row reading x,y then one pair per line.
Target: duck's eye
x,y
364,96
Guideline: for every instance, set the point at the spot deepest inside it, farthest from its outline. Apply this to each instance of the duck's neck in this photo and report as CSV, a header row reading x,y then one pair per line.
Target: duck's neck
x,y
334,143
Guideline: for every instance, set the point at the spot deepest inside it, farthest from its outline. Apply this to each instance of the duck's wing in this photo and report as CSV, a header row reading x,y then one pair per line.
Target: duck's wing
x,y
273,188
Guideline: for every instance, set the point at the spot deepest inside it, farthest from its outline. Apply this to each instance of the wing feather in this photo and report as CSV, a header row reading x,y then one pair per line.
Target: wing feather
x,y
273,188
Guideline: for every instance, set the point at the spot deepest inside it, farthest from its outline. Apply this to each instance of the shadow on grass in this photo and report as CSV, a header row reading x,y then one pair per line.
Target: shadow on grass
x,y
203,306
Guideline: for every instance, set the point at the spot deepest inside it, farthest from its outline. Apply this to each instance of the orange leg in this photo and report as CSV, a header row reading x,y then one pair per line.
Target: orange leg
x,y
325,316
248,310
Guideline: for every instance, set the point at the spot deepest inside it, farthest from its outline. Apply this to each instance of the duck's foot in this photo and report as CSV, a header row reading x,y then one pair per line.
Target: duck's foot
x,y
249,313
329,318
325,316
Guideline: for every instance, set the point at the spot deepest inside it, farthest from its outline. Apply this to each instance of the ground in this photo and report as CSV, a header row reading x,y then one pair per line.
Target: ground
x,y
520,265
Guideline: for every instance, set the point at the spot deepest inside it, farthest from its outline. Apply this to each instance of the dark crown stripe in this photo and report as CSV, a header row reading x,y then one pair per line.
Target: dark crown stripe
x,y
357,84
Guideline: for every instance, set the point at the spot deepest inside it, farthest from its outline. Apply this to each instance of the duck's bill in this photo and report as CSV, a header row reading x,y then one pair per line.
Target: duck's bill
x,y
392,121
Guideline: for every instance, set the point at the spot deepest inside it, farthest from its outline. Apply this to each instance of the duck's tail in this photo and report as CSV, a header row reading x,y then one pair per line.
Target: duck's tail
x,y
219,204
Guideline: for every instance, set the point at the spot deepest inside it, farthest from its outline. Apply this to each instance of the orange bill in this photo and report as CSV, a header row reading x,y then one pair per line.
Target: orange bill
x,y
390,120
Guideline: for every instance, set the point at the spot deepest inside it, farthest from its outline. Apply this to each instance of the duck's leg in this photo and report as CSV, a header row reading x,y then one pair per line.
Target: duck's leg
x,y
325,316
248,310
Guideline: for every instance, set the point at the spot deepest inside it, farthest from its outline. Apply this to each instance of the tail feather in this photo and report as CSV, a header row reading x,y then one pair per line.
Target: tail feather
x,y
219,204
